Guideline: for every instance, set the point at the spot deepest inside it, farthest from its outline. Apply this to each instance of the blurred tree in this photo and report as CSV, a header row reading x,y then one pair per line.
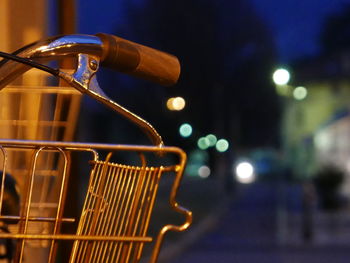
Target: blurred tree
x,y
335,35
226,55
328,182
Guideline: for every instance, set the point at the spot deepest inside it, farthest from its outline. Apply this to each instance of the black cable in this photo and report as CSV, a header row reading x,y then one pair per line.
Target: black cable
x,y
30,62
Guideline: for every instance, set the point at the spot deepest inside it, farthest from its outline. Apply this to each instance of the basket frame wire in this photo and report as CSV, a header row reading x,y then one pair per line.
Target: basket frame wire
x,y
98,238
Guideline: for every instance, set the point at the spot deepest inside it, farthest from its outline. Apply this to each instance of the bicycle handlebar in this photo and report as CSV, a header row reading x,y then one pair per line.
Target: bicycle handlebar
x,y
114,52
138,60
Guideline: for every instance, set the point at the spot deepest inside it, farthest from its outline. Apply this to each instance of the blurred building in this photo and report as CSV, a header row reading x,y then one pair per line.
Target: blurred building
x,y
316,123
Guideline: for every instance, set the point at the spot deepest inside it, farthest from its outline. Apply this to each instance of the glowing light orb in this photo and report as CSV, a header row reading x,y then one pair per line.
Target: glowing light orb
x,y
185,130
212,139
203,143
204,171
281,76
176,103
245,173
300,93
222,145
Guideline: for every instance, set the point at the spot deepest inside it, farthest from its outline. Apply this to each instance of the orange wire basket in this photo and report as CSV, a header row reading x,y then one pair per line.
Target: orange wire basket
x,y
119,200
36,222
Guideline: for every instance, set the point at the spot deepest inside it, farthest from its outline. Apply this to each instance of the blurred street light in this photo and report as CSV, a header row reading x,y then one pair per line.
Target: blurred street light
x,y
204,171
203,143
281,76
212,139
185,130
222,145
245,173
176,103
300,93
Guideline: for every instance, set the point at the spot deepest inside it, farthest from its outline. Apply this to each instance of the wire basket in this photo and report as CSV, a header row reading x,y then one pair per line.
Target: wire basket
x,y
37,223
119,199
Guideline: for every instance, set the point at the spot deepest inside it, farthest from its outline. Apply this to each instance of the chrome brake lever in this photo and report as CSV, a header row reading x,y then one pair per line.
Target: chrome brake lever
x,y
84,79
89,50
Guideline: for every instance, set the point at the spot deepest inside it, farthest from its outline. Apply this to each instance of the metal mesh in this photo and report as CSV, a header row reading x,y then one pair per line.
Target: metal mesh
x,y
115,216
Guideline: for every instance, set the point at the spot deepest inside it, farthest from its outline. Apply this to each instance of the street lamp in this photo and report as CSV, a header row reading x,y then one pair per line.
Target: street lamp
x,y
185,130
203,143
222,145
300,93
176,103
281,76
245,172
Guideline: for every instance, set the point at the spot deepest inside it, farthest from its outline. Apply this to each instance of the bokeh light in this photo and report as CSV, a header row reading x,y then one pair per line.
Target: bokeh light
x,y
212,139
245,173
203,143
185,130
300,93
204,171
176,103
222,145
281,76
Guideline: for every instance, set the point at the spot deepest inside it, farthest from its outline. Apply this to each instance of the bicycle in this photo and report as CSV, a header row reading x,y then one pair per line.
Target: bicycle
x,y
119,199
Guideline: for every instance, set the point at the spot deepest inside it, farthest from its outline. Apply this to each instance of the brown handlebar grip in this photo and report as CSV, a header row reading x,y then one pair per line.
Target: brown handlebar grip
x,y
138,60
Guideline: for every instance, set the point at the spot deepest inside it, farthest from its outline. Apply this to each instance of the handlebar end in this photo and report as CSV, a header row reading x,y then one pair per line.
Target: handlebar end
x,y
139,61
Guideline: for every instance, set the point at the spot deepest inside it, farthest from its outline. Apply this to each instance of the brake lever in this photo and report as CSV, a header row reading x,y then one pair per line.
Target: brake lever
x,y
84,79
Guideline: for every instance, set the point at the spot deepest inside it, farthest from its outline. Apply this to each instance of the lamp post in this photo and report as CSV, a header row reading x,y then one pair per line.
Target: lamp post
x,y
281,78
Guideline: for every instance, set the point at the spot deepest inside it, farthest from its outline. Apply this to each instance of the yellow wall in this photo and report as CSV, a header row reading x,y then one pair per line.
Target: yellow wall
x,y
23,21
302,119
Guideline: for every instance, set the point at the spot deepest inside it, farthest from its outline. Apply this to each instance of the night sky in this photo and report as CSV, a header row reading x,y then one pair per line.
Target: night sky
x,y
295,24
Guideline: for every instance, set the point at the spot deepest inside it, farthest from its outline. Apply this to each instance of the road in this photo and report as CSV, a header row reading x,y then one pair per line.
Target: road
x,y
247,232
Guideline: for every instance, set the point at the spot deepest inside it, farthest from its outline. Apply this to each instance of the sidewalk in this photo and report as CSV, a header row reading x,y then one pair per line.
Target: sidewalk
x,y
247,232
